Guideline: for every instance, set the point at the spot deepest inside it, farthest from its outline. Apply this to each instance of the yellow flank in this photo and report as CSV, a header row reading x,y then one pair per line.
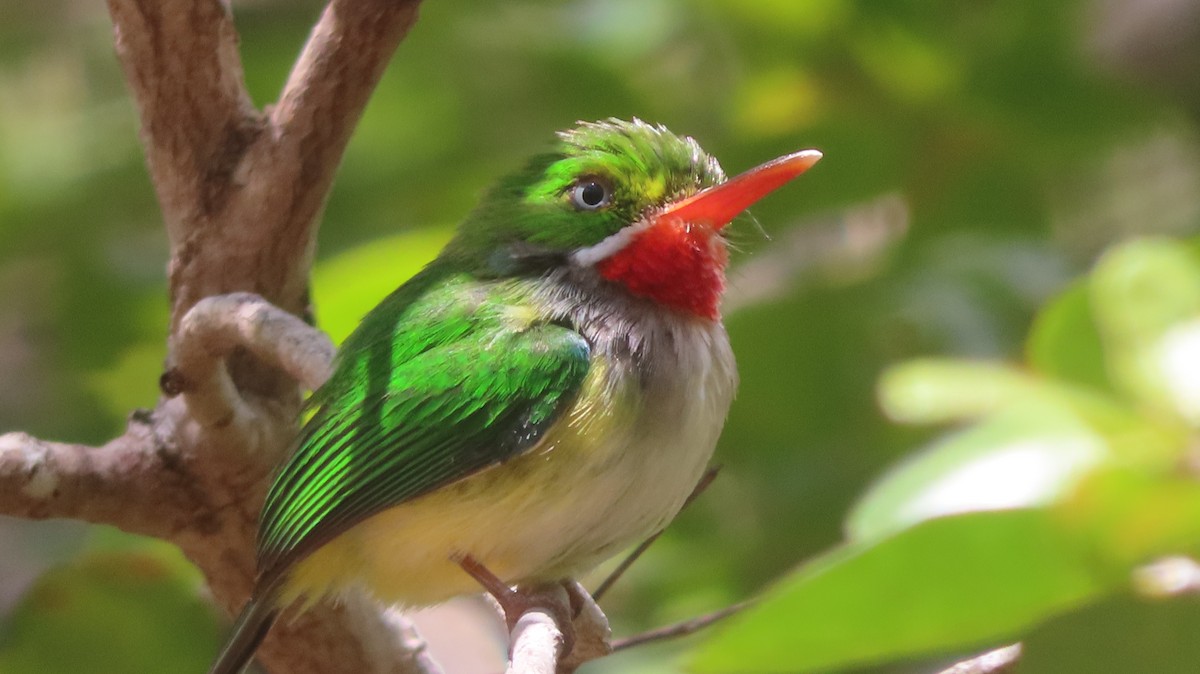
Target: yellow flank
x,y
526,519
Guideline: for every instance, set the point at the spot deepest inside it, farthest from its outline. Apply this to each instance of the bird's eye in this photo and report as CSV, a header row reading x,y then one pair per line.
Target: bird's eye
x,y
590,194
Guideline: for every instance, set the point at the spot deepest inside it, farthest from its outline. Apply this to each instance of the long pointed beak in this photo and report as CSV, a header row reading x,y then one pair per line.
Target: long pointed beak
x,y
716,206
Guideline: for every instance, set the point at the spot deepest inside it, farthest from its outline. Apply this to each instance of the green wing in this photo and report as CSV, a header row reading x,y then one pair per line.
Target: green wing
x,y
429,390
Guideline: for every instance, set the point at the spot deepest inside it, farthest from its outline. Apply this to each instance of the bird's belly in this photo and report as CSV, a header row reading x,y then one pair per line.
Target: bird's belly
x,y
615,468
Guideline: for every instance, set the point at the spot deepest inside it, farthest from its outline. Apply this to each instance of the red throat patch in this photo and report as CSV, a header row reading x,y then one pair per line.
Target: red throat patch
x,y
674,263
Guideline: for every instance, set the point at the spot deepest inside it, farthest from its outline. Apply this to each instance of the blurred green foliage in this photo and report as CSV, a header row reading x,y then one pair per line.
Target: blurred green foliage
x,y
1049,499
66,621
1018,159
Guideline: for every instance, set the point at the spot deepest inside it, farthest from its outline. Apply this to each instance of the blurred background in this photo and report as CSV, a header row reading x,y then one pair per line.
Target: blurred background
x,y
978,157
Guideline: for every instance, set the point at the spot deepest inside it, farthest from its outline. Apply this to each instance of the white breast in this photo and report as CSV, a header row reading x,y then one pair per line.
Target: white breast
x,y
671,380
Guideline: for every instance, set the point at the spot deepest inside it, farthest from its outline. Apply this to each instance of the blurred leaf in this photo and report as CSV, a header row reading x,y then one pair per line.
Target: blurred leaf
x,y
112,612
927,391
948,584
347,286
1143,287
1177,357
1123,634
130,381
1129,515
915,68
1064,341
1028,455
1140,291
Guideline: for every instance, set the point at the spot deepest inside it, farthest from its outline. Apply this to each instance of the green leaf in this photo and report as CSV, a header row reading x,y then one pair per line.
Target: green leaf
x,y
1140,292
1128,516
1065,341
1123,634
1176,360
112,612
944,585
1028,455
939,390
1142,288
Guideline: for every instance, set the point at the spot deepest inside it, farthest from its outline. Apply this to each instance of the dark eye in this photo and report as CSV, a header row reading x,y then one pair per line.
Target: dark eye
x,y
590,194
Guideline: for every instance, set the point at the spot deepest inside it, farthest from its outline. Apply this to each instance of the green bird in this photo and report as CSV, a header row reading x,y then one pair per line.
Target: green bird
x,y
544,393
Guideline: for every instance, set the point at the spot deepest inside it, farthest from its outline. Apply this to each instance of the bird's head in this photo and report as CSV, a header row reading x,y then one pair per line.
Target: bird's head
x,y
629,201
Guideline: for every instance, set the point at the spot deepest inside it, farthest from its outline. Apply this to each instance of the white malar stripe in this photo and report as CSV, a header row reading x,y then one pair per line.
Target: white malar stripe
x,y
611,245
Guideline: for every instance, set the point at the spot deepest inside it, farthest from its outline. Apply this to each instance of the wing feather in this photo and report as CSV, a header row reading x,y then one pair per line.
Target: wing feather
x,y
469,397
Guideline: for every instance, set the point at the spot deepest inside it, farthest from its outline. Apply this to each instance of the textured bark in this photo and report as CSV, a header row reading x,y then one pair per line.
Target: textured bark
x,y
241,192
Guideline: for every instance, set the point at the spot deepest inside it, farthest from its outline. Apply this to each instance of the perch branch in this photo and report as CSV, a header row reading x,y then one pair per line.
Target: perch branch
x,y
593,636
537,643
537,638
541,645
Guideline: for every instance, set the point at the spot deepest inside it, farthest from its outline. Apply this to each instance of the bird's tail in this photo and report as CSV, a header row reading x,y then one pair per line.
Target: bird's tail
x,y
248,632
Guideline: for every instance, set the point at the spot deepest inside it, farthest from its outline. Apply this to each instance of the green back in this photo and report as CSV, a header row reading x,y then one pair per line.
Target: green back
x,y
446,377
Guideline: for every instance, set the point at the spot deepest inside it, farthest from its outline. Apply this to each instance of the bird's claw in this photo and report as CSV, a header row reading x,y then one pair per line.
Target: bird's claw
x,y
566,602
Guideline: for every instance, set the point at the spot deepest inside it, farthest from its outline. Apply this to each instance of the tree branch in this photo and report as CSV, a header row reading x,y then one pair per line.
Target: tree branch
x,y
559,632
241,193
181,60
327,91
593,635
354,636
113,484
537,644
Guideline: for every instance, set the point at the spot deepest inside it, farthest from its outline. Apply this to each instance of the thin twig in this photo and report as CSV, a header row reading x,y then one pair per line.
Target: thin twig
x,y
999,661
678,629
1168,577
848,243
607,584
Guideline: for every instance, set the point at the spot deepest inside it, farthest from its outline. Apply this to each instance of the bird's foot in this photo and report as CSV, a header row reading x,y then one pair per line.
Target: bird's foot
x,y
515,602
592,634
584,627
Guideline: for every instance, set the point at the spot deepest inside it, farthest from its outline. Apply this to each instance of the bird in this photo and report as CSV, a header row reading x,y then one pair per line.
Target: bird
x,y
544,393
